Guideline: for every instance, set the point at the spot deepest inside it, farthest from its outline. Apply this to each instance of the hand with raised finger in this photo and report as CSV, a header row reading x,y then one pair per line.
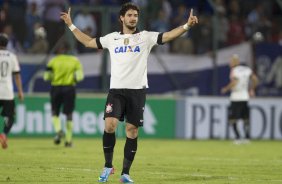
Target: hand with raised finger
x,y
66,17
192,20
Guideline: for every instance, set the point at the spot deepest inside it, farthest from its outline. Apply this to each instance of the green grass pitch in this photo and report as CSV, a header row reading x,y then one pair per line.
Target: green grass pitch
x,y
37,160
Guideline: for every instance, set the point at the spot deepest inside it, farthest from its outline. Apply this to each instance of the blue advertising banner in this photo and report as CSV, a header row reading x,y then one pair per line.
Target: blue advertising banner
x,y
184,74
269,69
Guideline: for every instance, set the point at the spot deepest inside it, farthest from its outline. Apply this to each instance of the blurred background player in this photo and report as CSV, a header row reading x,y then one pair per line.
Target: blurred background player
x,y
39,44
129,50
64,71
9,67
242,85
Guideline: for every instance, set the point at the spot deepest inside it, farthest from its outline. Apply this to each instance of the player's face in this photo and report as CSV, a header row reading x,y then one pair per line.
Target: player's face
x,y
130,19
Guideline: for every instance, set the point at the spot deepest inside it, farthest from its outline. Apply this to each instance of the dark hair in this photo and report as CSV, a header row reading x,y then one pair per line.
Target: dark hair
x,y
128,6
62,48
3,40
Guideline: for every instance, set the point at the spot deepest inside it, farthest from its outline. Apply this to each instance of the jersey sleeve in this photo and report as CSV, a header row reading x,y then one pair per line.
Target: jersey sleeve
x,y
50,64
79,75
155,38
103,42
250,72
48,71
233,74
16,65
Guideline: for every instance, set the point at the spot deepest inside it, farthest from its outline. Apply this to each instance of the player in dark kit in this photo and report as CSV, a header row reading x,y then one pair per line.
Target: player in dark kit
x,y
9,68
129,50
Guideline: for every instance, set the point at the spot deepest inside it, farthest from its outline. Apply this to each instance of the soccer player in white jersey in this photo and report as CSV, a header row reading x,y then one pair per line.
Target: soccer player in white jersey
x,y
9,67
242,85
129,50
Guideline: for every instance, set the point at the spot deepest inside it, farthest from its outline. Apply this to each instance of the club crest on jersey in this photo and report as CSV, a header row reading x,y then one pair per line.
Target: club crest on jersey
x,y
126,41
124,49
109,108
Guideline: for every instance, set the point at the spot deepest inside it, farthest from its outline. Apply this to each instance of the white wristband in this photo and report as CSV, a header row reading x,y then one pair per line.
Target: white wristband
x,y
72,27
186,27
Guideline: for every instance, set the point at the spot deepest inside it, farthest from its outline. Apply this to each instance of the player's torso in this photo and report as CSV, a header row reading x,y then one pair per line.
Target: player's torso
x,y
242,74
124,48
129,54
6,74
63,70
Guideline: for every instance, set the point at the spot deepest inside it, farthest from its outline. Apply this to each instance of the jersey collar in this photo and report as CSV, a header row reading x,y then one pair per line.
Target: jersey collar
x,y
136,31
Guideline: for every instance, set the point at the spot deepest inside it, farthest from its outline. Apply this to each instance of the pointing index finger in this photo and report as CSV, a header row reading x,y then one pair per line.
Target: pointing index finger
x,y
191,12
69,10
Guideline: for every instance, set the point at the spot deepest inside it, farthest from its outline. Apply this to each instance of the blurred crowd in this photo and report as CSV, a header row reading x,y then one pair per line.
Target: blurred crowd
x,y
34,26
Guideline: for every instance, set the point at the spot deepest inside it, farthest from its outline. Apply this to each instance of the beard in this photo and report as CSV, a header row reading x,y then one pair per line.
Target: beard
x,y
130,27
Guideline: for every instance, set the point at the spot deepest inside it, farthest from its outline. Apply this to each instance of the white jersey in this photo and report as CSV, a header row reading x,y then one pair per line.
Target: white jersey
x,y
240,92
129,54
8,65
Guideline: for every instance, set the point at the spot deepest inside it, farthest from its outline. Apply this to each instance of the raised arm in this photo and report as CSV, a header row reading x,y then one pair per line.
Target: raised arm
x,y
80,36
170,35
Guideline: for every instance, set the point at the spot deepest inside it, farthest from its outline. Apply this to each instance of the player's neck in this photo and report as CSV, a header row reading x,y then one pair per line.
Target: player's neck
x,y
128,31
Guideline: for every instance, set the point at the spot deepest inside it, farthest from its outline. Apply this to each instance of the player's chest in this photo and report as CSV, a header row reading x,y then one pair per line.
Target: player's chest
x,y
128,44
